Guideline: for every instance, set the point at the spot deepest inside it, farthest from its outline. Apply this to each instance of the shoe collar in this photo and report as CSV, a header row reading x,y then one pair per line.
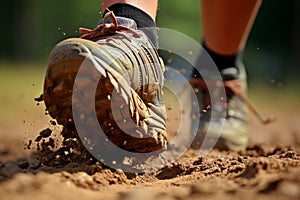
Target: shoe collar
x,y
230,73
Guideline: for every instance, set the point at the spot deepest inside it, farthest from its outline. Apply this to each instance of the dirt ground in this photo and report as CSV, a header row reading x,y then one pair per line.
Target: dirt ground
x,y
268,169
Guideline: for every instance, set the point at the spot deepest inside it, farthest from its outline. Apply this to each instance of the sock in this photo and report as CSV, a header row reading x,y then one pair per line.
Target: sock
x,y
142,19
228,65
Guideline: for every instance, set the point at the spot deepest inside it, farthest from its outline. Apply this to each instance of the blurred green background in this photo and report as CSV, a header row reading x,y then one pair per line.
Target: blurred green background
x,y
30,29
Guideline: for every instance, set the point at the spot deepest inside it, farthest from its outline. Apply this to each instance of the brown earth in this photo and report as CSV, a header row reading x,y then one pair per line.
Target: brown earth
x,y
268,169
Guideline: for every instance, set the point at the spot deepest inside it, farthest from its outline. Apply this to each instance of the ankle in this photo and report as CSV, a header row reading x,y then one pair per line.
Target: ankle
x,y
228,65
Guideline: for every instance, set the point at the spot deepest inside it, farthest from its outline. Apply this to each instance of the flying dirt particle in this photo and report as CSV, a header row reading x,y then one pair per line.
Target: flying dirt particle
x,y
169,60
46,133
39,99
52,122
29,144
183,71
38,138
60,30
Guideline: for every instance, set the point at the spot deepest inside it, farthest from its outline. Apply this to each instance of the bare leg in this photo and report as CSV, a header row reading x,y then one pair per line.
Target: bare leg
x,y
148,6
227,24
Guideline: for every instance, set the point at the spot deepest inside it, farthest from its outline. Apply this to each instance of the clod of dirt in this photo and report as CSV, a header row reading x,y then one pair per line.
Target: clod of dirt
x,y
39,99
29,144
249,172
46,133
171,171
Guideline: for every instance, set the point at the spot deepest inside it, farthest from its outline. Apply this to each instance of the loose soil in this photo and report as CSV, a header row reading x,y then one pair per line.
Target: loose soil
x,y
268,169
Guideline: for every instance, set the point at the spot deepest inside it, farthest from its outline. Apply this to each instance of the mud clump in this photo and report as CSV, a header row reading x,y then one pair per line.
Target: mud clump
x,y
68,155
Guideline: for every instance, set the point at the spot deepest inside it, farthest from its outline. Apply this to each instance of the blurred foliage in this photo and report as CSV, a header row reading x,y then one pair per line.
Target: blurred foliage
x,y
31,28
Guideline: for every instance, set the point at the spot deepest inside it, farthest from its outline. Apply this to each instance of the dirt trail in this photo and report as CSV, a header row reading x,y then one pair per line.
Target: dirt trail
x,y
268,169
260,172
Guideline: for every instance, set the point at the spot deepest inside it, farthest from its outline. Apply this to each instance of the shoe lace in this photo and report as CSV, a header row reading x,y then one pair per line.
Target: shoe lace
x,y
232,87
108,29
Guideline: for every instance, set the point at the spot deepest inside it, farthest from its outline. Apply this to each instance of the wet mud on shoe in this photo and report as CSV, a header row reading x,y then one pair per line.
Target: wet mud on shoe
x,y
131,112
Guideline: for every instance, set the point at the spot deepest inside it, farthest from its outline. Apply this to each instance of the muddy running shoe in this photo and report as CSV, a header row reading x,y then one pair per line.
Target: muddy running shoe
x,y
127,73
233,135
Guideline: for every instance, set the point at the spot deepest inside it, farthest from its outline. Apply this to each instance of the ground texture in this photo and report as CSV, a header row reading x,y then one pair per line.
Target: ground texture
x,y
268,169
